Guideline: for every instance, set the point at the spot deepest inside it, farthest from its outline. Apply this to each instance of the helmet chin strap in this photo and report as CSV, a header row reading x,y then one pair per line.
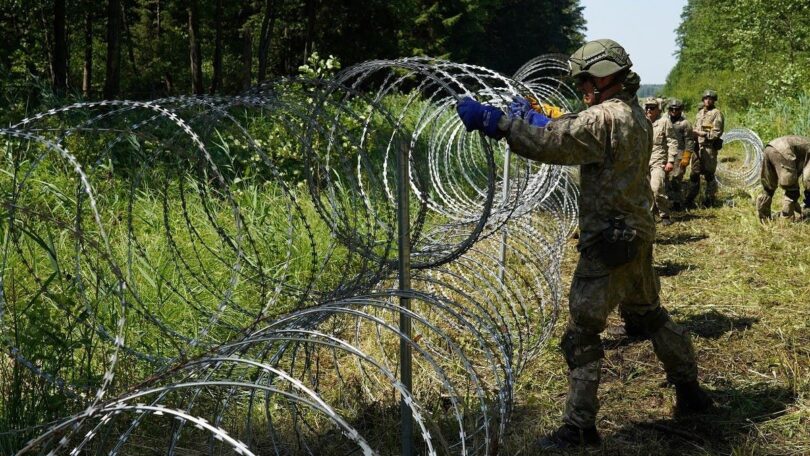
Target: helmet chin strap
x,y
597,91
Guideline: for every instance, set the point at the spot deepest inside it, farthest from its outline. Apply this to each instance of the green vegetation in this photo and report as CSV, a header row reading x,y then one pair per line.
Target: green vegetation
x,y
146,49
741,288
751,51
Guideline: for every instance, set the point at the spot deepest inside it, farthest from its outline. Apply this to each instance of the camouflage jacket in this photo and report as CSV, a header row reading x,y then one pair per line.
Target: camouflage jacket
x,y
664,146
611,142
711,122
794,149
683,133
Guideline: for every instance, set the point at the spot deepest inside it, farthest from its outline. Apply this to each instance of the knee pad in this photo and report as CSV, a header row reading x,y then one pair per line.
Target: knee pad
x,y
581,349
694,178
647,323
709,177
792,194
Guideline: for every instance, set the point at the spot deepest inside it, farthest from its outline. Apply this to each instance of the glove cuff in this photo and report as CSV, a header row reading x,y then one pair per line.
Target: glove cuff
x,y
490,119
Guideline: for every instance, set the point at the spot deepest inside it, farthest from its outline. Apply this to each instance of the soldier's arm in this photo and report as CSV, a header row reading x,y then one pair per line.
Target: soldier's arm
x,y
690,136
574,139
717,126
672,143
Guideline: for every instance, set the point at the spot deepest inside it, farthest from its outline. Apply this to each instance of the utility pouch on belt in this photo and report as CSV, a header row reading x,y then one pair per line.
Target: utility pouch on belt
x,y
619,244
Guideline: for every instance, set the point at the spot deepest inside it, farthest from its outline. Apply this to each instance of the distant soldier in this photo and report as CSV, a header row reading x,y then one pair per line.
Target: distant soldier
x,y
662,159
686,144
709,130
786,159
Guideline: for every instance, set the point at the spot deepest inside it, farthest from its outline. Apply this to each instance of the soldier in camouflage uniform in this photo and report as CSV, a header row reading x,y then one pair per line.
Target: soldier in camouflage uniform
x,y
662,159
709,126
786,159
611,141
685,137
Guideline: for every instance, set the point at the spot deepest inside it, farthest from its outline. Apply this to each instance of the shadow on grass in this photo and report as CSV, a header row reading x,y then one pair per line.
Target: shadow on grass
x,y
713,324
682,238
670,269
714,432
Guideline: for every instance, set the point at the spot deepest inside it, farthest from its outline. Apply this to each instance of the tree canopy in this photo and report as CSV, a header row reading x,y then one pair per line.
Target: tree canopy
x,y
153,48
750,51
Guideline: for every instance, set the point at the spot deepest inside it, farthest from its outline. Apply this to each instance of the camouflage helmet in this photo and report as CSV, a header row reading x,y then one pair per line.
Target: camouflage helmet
x,y
675,103
651,101
709,93
599,58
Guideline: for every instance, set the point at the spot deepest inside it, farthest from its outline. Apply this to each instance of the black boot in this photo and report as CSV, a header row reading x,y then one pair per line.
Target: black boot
x,y
570,436
691,398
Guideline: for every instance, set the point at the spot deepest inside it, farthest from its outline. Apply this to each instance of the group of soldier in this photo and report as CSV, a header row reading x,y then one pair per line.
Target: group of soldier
x,y
677,146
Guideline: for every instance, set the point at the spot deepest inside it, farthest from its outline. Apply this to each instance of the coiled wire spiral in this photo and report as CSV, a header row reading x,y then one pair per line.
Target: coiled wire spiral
x,y
218,274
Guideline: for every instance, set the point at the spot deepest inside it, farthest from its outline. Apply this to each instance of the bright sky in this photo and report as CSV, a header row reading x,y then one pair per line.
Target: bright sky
x,y
646,29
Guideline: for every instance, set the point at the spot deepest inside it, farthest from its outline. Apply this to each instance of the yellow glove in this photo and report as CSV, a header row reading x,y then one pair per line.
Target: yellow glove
x,y
687,154
548,110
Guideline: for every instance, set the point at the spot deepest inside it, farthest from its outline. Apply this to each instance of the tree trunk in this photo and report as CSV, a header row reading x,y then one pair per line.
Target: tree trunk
x,y
268,23
59,64
247,57
309,39
87,76
48,43
112,78
194,48
216,79
130,46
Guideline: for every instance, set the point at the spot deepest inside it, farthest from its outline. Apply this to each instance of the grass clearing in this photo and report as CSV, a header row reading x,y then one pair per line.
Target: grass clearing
x,y
742,289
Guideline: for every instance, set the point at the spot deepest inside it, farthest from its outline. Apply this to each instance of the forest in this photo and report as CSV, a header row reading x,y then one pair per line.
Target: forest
x,y
201,232
145,49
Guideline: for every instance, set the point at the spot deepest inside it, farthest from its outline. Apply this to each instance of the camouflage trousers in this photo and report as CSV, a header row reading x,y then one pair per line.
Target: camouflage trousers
x,y
780,171
595,292
658,183
675,185
704,163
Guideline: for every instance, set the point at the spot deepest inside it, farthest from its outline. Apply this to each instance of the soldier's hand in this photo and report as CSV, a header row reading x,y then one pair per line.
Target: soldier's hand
x,y
669,167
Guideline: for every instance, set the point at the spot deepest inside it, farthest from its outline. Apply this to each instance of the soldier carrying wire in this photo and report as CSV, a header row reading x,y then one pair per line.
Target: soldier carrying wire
x,y
612,143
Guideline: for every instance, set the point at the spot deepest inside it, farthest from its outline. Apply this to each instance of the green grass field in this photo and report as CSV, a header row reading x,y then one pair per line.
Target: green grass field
x,y
742,289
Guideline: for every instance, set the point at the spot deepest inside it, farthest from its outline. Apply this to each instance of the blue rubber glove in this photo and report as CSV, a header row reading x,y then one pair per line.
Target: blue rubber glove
x,y
537,119
478,116
521,108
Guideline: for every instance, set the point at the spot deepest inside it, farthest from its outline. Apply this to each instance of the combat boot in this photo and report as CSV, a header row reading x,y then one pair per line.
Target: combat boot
x,y
691,398
570,436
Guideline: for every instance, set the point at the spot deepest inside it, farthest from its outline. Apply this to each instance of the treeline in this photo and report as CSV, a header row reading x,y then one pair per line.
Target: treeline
x,y
750,51
152,48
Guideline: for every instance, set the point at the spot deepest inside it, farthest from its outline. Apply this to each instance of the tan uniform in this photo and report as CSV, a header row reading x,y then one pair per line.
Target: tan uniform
x,y
786,159
704,162
612,143
664,150
685,138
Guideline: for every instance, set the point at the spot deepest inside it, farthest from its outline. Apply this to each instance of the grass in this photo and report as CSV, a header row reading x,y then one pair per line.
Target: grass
x,y
741,288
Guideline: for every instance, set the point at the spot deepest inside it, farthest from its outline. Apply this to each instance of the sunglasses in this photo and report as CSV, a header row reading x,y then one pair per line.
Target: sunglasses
x,y
650,108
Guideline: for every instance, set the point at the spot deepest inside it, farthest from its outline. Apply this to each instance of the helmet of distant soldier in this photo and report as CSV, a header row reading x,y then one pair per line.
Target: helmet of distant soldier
x,y
651,101
709,93
599,58
675,103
